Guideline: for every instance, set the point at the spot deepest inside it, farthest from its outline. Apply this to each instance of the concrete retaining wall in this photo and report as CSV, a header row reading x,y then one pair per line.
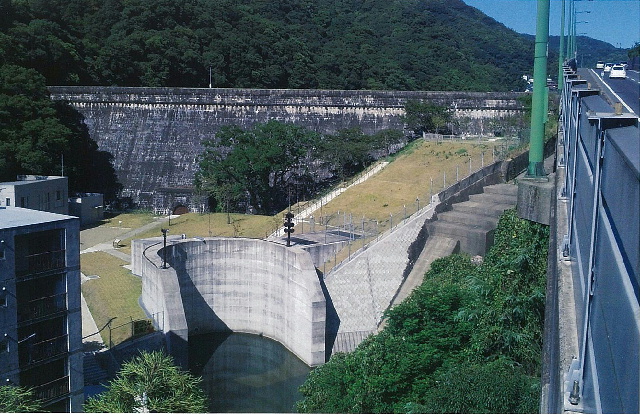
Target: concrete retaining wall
x,y
232,284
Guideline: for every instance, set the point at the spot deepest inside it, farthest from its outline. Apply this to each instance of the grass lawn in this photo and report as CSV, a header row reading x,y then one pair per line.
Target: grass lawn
x,y
212,225
114,294
127,220
407,178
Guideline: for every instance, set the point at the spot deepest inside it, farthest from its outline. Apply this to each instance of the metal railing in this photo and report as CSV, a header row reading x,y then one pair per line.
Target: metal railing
x,y
601,192
52,390
32,352
41,307
41,262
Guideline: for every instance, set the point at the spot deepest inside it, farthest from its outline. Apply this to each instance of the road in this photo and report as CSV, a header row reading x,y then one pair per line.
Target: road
x,y
626,91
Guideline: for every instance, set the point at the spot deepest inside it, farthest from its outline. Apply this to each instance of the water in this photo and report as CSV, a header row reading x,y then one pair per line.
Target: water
x,y
246,373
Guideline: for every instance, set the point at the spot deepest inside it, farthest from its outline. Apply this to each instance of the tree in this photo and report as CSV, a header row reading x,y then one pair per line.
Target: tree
x,y
492,387
256,165
424,117
150,382
634,51
347,152
31,137
14,399
387,138
468,339
36,133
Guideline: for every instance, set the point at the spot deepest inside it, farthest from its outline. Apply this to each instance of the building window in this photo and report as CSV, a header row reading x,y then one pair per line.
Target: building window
x,y
58,195
8,202
24,202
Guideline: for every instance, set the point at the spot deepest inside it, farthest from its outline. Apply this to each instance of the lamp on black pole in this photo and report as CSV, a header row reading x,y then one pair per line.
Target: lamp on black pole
x,y
164,250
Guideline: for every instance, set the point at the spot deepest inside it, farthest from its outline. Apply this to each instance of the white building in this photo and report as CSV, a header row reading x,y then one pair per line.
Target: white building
x,y
36,192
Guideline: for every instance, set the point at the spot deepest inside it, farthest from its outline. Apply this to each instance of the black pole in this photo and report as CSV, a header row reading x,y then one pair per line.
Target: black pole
x,y
164,250
288,226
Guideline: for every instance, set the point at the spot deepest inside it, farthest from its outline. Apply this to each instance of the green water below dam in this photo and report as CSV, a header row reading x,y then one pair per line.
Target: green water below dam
x,y
246,373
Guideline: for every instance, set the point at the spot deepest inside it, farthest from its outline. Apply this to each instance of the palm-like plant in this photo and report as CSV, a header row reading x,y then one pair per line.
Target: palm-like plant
x,y
15,399
150,382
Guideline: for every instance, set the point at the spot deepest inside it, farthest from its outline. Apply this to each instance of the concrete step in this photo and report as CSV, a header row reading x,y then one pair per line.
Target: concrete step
x,y
436,247
474,239
480,208
492,198
93,372
506,189
348,341
464,218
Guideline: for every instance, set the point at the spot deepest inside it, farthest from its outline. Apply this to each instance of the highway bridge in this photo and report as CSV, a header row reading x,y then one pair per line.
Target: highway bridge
x,y
592,326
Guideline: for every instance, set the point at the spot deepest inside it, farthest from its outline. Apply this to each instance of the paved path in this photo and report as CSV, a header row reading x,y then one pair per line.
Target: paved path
x,y
363,288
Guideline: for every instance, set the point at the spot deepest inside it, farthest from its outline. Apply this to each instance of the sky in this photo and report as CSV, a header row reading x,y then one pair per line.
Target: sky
x,y
613,21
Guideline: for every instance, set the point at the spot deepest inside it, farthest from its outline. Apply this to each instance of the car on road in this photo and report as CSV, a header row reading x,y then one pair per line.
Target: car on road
x,y
600,65
618,72
607,67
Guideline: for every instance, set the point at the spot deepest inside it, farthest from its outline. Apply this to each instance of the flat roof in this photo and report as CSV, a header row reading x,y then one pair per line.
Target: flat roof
x,y
29,179
11,217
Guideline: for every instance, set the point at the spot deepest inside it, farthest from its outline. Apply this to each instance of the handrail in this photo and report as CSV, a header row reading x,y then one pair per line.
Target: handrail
x,y
101,329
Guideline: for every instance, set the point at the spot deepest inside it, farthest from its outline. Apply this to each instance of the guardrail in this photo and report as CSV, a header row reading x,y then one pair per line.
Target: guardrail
x,y
600,155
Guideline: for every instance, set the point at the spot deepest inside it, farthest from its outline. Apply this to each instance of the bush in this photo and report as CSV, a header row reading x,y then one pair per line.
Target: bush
x,y
467,340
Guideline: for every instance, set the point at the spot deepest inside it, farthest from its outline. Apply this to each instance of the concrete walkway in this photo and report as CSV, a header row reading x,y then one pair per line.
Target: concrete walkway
x,y
384,274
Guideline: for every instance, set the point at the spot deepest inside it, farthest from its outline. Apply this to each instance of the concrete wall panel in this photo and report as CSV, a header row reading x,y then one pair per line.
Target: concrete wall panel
x,y
241,285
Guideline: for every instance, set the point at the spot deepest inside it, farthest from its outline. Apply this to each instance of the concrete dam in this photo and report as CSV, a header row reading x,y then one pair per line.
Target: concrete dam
x,y
155,134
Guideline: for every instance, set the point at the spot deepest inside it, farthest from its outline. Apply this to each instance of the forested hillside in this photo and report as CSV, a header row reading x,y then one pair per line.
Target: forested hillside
x,y
337,44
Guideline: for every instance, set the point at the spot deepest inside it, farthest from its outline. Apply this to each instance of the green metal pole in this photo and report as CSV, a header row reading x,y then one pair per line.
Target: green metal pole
x,y
574,48
536,155
570,31
561,52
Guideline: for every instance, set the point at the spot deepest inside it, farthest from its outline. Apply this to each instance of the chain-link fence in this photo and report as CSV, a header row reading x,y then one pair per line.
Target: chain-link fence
x,y
356,232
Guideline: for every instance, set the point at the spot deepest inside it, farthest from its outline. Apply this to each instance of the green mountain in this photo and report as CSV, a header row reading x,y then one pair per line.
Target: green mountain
x,y
592,50
334,44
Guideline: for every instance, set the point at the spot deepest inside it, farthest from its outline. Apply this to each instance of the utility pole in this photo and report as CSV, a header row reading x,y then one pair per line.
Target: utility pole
x,y
536,152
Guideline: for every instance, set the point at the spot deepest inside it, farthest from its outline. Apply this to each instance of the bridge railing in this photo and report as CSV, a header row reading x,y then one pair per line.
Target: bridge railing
x,y
600,154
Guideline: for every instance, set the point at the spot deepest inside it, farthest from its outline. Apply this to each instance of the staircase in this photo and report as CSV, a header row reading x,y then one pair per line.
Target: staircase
x,y
93,372
384,274
473,222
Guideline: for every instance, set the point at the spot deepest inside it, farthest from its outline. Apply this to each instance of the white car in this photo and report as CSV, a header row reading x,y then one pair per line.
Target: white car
x,y
607,67
617,71
600,65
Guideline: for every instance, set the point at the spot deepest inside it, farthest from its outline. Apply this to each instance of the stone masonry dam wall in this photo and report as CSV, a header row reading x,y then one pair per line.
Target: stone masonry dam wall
x,y
233,284
155,134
